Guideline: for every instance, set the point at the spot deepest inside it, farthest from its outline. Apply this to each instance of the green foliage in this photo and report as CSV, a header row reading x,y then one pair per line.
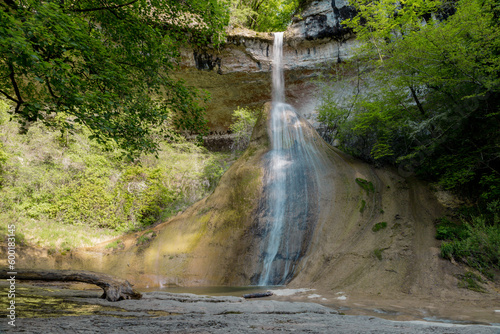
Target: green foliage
x,y
427,96
4,107
260,15
363,205
3,160
146,237
244,120
77,191
116,244
214,169
138,197
105,66
378,253
447,230
378,22
476,242
379,226
337,100
366,185
471,281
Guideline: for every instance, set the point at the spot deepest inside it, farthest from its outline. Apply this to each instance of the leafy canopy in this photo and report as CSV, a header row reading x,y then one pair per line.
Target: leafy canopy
x,y
427,98
105,64
260,15
430,100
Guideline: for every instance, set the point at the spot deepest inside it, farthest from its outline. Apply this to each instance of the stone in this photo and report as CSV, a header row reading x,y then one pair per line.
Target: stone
x,y
238,73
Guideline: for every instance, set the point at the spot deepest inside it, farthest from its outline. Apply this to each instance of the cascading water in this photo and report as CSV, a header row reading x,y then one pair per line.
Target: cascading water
x,y
291,207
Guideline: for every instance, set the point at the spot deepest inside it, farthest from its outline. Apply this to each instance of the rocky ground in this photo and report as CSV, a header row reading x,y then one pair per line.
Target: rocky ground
x,y
48,309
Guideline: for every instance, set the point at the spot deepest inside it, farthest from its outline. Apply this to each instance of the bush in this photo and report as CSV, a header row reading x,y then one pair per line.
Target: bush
x,y
244,120
77,190
447,230
412,102
271,15
475,243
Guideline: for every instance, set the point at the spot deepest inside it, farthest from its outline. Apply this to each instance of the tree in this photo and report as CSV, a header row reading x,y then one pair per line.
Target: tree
x,y
432,106
430,103
105,64
260,15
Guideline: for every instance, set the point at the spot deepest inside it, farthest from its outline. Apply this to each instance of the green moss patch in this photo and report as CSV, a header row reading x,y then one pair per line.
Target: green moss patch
x,y
378,253
379,226
117,244
366,185
363,205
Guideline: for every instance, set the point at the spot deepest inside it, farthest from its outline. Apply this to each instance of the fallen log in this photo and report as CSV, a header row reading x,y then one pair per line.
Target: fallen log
x,y
258,295
115,288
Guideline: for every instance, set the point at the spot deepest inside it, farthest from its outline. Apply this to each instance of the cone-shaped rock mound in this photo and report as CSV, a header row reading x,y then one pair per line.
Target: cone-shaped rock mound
x,y
348,226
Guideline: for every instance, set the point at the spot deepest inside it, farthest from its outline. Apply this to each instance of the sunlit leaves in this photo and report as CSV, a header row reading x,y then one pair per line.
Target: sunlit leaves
x,y
432,102
106,64
260,15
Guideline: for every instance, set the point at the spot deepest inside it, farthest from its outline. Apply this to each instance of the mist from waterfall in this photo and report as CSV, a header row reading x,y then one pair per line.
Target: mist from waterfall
x,y
291,206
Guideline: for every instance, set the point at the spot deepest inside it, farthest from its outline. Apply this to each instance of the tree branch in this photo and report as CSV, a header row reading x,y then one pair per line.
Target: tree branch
x,y
103,8
8,96
417,101
50,89
12,77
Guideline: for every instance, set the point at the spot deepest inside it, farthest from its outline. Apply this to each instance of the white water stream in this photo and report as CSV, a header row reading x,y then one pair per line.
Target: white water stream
x,y
291,207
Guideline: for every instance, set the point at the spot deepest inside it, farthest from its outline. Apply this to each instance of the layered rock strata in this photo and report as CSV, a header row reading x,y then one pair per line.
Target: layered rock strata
x,y
238,74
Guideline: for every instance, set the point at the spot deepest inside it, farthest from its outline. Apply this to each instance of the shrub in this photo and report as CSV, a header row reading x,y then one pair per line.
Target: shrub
x,y
86,191
3,155
244,120
471,281
475,243
115,244
447,230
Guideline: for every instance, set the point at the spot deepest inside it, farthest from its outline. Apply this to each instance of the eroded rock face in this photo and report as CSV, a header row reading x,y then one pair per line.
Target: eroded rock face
x,y
217,240
238,74
322,19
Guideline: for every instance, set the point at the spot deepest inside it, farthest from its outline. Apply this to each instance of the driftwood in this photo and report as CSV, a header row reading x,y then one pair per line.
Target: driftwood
x,y
258,295
115,289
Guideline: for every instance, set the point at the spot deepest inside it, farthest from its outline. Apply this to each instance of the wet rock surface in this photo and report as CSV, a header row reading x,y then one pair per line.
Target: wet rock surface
x,y
163,312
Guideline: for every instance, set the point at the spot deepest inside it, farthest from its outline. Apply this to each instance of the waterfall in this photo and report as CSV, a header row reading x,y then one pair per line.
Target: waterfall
x,y
290,208
278,76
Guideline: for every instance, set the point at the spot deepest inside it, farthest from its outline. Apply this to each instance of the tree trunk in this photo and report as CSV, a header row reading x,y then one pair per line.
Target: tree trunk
x,y
115,289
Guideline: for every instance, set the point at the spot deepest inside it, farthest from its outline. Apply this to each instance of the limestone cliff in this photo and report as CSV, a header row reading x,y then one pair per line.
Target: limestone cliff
x,y
238,73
